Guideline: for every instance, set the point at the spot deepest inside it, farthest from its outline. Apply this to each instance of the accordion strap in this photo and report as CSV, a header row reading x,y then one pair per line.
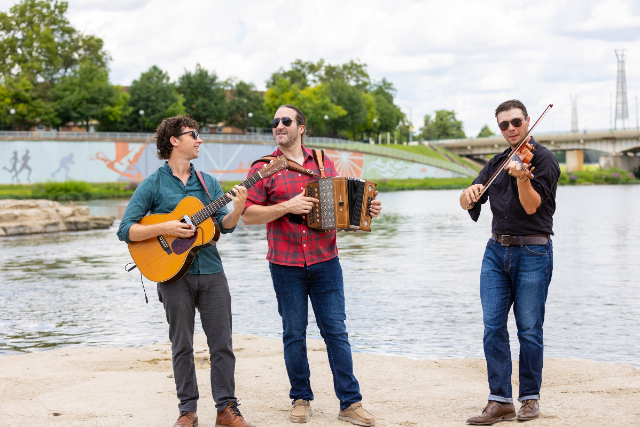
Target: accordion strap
x,y
294,166
319,160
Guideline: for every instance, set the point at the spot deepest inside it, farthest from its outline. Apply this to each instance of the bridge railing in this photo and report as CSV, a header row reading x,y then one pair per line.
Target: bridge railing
x,y
394,153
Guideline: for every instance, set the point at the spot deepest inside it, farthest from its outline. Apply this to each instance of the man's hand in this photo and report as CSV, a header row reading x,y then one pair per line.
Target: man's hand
x,y
471,195
240,197
376,206
178,229
515,169
300,205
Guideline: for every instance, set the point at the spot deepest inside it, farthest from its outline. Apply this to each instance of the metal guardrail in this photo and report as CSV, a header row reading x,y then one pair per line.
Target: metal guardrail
x,y
395,153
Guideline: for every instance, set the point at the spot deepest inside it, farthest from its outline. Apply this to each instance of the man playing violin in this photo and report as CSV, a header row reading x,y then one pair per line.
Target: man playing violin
x,y
205,286
304,266
517,264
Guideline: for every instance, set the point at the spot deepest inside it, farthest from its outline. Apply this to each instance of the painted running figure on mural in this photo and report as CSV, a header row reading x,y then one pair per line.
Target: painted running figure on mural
x,y
14,166
127,170
64,164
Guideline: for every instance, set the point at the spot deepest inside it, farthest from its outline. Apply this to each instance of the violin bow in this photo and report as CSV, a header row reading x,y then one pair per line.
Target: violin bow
x,y
510,156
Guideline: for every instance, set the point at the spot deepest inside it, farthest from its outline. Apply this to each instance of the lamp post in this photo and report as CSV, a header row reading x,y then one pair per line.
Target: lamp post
x,y
326,125
141,112
375,121
13,116
250,115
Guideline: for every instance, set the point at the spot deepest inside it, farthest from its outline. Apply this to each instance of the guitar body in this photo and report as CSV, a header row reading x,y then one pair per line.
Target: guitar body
x,y
165,259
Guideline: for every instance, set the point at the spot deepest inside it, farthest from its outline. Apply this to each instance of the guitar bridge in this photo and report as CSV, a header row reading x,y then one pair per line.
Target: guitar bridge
x,y
165,245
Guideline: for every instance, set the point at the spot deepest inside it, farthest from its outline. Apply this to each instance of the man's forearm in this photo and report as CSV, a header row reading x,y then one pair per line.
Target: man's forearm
x,y
231,219
138,232
257,215
529,197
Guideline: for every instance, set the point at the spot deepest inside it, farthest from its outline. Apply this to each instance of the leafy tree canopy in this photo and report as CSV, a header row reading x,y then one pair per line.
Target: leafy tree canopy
x,y
204,96
485,131
244,100
444,126
37,39
154,94
31,102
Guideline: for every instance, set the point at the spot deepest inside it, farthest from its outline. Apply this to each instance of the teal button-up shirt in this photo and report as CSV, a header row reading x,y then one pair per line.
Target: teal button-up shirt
x,y
160,193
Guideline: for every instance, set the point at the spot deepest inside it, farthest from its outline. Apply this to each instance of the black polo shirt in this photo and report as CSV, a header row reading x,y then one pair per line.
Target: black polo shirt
x,y
509,217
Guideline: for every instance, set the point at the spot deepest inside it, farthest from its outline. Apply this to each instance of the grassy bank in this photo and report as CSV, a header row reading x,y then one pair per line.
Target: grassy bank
x,y
68,190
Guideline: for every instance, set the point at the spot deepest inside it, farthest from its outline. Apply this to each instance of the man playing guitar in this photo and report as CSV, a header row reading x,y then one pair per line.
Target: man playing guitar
x,y
205,285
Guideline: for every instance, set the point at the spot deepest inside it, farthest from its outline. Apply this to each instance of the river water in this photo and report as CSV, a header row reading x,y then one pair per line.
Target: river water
x,y
412,285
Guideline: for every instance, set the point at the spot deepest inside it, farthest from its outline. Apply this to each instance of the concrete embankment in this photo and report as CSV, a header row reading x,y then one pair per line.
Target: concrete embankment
x,y
46,216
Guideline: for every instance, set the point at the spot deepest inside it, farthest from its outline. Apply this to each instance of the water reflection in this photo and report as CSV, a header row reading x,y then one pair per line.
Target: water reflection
x,y
411,285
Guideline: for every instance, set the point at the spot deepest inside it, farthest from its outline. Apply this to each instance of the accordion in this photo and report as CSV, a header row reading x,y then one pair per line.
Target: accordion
x,y
343,204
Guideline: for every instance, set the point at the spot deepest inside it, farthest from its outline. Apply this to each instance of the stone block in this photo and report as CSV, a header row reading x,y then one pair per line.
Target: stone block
x,y
65,211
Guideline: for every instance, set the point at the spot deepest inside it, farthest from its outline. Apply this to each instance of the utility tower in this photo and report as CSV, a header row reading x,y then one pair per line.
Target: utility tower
x,y
622,107
574,113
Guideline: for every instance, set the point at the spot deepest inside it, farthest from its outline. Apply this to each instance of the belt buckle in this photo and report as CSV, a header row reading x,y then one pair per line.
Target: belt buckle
x,y
502,239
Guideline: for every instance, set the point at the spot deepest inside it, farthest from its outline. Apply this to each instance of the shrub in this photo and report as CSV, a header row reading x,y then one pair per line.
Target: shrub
x,y
573,179
614,178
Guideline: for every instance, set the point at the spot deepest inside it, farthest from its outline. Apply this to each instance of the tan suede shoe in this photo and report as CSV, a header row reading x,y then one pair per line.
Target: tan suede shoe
x,y
187,419
530,410
356,414
301,411
494,412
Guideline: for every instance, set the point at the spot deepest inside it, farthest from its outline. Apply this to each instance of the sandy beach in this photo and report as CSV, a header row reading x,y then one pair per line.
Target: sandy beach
x,y
135,387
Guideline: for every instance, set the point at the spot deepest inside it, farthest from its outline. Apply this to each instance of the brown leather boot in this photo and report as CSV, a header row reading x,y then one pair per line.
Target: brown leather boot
x,y
530,410
187,419
231,417
494,412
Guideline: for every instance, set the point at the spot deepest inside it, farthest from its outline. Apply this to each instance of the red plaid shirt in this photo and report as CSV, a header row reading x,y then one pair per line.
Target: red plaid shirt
x,y
289,243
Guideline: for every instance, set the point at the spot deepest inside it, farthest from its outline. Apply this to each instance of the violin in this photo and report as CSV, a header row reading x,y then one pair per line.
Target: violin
x,y
522,153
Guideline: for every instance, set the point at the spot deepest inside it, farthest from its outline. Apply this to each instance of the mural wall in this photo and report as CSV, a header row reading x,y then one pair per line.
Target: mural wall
x,y
41,161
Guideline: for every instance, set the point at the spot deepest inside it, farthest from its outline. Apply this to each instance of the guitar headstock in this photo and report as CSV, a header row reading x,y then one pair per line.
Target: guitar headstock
x,y
274,167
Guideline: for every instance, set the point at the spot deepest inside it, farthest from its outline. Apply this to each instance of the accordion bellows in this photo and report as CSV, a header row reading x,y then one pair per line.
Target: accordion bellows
x,y
343,204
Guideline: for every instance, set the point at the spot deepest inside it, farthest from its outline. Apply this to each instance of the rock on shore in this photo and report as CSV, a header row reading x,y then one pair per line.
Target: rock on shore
x,y
46,216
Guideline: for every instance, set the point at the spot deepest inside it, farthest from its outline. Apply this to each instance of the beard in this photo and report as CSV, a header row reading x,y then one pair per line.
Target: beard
x,y
290,140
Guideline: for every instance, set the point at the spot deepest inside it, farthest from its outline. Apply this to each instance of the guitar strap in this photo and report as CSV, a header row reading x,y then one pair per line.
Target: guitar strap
x,y
201,179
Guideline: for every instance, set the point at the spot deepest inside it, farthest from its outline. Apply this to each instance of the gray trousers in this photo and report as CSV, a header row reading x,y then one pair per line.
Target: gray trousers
x,y
209,293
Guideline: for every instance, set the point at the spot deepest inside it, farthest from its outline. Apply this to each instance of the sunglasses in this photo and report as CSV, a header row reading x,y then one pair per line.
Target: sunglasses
x,y
286,121
194,133
517,122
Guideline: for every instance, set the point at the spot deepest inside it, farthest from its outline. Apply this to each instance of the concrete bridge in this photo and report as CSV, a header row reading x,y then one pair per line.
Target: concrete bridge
x,y
613,142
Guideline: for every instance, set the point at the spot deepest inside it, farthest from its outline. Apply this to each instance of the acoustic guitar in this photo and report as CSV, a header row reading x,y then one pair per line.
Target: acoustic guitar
x,y
165,258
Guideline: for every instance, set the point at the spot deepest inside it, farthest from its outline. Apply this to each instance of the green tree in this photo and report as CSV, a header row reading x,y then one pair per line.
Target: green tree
x,y
36,39
302,74
351,99
31,102
156,96
204,97
244,100
388,114
86,95
444,126
485,131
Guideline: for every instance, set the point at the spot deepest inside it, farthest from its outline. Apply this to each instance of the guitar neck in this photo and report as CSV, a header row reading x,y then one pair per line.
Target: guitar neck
x,y
209,210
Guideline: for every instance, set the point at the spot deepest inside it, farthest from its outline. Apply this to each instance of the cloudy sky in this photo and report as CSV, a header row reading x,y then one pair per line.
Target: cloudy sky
x,y
467,56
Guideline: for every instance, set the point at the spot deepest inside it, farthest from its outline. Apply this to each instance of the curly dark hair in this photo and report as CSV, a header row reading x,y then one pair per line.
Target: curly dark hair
x,y
510,105
173,126
301,119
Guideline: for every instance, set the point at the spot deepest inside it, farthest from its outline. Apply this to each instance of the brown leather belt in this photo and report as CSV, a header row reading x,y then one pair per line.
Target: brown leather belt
x,y
534,239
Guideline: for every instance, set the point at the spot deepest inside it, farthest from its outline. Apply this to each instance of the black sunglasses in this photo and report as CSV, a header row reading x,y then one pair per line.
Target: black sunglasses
x,y
285,121
517,122
194,134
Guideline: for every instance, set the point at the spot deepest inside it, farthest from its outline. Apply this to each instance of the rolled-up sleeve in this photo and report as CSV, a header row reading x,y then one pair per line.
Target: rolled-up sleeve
x,y
482,178
257,194
138,206
546,175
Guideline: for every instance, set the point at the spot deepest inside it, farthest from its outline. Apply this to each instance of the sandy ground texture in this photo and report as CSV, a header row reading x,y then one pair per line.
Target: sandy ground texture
x,y
135,387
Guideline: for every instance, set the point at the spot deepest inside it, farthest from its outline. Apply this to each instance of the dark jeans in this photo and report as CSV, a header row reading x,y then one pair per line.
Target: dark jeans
x,y
518,276
209,293
322,284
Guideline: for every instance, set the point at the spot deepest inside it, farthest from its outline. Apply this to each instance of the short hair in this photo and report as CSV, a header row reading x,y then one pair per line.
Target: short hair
x,y
173,126
510,105
301,119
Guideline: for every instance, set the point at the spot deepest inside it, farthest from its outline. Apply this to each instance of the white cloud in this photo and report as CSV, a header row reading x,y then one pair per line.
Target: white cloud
x,y
462,55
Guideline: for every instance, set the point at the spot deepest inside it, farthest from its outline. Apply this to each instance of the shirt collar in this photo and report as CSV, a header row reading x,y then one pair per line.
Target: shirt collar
x,y
168,170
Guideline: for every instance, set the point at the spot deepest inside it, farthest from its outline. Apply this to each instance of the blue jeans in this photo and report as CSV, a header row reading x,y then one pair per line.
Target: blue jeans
x,y
518,275
322,283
